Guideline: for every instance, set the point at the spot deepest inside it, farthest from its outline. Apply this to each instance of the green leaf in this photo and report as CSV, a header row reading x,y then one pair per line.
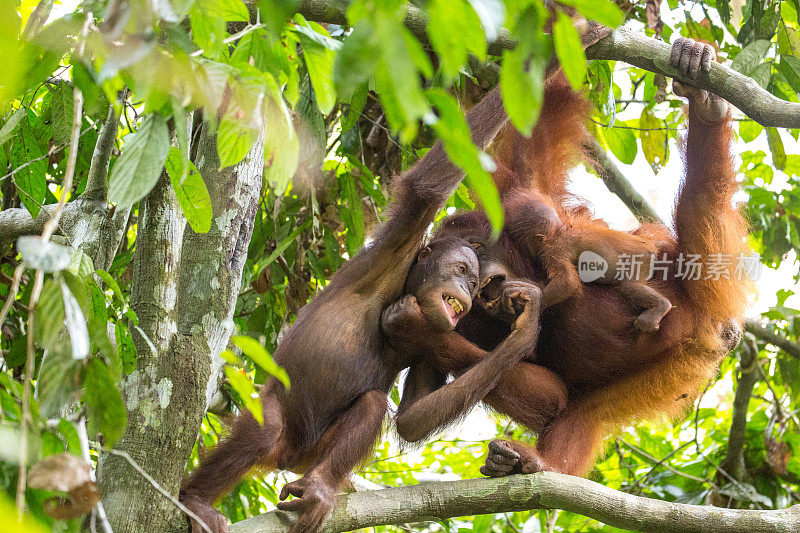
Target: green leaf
x,y
724,9
569,49
761,74
622,142
246,391
62,113
44,255
790,68
356,107
749,130
260,356
234,140
750,57
137,170
49,315
112,284
281,148
76,324
30,179
316,33
229,10
11,124
319,62
522,73
654,140
351,213
776,147
452,128
523,91
192,193
455,30
104,407
605,12
58,381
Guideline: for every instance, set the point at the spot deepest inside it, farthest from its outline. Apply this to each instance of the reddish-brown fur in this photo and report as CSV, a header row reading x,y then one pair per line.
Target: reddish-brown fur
x,y
614,374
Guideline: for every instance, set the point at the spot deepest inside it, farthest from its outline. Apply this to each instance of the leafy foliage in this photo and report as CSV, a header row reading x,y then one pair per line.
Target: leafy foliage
x,y
336,111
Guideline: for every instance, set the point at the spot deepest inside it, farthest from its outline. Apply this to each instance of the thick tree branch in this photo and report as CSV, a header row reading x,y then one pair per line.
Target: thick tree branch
x,y
762,333
617,183
439,500
622,45
748,375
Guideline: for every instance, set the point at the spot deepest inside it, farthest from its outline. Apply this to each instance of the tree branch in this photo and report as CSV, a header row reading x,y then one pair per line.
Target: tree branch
x,y
622,45
439,500
762,333
748,375
617,183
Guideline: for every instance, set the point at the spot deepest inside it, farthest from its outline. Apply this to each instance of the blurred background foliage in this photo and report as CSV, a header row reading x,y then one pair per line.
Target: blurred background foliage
x,y
346,107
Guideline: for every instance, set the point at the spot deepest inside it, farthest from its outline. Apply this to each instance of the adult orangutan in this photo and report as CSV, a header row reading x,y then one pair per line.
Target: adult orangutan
x,y
613,373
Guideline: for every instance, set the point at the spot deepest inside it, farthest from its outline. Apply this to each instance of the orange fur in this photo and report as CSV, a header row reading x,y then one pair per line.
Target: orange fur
x,y
615,375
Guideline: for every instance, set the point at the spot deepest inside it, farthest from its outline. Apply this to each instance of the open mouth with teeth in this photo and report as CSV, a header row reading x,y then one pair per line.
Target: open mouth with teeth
x,y
453,308
491,291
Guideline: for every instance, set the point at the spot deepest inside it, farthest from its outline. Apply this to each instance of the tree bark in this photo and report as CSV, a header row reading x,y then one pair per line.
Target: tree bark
x,y
440,500
184,294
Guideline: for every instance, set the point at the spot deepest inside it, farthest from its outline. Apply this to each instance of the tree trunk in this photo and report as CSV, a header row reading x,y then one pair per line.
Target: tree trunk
x,y
184,294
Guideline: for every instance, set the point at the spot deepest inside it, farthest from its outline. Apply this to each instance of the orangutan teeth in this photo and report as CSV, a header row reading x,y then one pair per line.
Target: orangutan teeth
x,y
454,304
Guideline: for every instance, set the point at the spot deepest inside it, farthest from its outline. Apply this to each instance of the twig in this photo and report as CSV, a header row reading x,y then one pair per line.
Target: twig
x,y
83,437
150,479
12,293
49,229
26,397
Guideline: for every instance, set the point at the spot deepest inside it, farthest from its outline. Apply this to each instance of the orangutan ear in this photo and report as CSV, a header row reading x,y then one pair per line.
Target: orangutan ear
x,y
425,252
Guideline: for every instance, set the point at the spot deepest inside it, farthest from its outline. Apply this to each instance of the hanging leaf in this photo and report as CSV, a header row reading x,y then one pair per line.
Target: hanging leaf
x,y
455,31
76,324
319,62
137,170
260,356
62,113
191,193
246,391
622,143
49,315
452,128
776,147
281,148
104,407
30,179
42,255
654,140
569,49
11,124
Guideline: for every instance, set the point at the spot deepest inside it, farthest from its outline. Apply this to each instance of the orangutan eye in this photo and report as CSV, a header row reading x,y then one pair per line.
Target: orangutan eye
x,y
477,245
462,269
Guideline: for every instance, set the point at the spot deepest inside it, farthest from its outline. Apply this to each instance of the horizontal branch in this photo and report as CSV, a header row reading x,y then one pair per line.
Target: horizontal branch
x,y
440,500
622,45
